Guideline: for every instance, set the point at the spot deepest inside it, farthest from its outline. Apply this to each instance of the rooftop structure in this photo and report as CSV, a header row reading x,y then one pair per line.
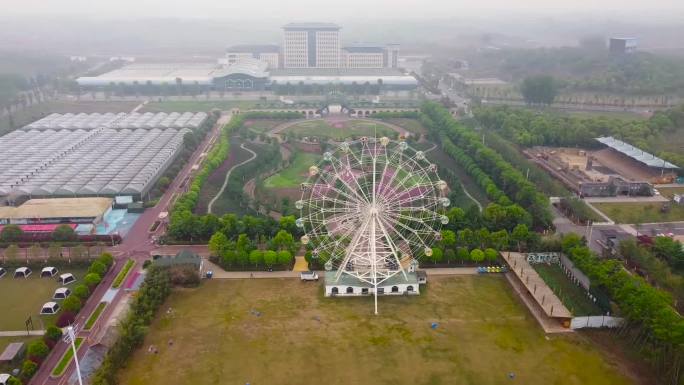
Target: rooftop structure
x,y
155,74
313,26
56,210
390,78
134,120
96,162
636,153
254,48
268,53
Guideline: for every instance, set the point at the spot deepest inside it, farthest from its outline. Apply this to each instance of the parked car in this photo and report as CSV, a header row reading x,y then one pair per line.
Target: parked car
x,y
50,308
308,276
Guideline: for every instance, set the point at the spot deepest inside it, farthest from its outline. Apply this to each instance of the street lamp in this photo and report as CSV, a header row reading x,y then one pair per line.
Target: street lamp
x,y
71,338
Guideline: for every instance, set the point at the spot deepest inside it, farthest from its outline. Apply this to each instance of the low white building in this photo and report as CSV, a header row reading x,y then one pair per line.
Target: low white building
x,y
348,286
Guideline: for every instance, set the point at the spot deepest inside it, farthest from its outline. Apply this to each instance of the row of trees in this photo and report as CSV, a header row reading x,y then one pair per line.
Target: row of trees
x,y
654,326
533,128
300,88
502,183
152,294
182,219
243,251
36,352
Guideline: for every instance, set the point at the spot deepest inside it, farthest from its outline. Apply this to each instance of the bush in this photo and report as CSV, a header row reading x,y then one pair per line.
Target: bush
x,y
92,280
53,333
107,259
14,381
72,304
184,275
64,233
37,350
146,264
98,268
65,319
28,369
81,291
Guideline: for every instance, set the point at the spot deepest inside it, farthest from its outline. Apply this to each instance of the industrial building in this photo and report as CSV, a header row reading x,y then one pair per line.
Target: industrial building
x,y
54,211
98,162
133,120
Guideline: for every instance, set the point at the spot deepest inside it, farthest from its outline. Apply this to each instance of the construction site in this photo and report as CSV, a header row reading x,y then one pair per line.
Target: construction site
x,y
614,170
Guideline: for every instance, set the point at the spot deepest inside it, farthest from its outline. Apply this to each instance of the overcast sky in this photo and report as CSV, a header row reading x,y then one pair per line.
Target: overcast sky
x,y
322,10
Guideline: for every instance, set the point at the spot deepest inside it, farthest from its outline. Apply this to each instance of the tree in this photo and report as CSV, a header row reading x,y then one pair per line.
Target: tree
x,y
437,255
256,257
72,304
11,233
15,381
28,369
53,333
476,255
283,240
54,250
64,233
284,257
491,255
12,252
541,90
98,268
270,257
37,350
106,259
462,254
92,280
81,291
288,224
218,244
520,235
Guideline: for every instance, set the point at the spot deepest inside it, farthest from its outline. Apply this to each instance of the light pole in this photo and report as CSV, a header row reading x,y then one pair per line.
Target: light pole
x,y
71,338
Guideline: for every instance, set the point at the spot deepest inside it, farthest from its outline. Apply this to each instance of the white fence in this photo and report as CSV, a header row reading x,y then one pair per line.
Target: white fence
x,y
598,321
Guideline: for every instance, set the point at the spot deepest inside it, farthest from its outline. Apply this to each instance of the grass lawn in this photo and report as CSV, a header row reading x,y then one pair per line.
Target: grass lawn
x,y
295,173
197,105
66,358
340,131
118,280
25,297
572,295
300,337
412,125
671,191
642,212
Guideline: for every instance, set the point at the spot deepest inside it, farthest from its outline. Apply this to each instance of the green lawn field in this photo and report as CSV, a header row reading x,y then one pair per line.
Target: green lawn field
x,y
346,129
643,212
412,125
283,331
572,295
671,191
22,298
262,125
295,173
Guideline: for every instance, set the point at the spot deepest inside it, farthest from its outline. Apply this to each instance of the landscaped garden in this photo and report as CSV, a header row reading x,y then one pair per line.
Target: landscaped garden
x,y
295,173
265,329
344,129
572,295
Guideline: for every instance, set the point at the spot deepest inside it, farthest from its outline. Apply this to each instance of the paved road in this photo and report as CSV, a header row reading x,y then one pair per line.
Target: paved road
x,y
625,199
225,181
136,245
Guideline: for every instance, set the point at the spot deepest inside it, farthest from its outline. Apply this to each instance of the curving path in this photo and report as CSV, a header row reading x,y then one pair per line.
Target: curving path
x,y
225,181
463,187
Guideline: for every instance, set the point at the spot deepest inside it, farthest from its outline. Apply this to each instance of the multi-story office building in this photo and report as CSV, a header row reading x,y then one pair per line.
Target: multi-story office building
x,y
622,45
369,56
269,53
311,45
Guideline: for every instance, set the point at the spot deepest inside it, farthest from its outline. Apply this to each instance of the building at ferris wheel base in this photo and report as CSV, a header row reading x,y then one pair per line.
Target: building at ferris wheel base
x,y
350,286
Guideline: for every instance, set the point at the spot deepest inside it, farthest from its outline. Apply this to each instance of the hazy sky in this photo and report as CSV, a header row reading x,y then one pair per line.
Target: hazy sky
x,y
321,10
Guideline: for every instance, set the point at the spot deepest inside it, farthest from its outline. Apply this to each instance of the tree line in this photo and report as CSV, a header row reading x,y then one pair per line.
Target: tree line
x,y
535,128
654,327
502,183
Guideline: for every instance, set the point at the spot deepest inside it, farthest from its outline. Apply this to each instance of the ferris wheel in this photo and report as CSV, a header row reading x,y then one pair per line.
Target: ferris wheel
x,y
370,209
